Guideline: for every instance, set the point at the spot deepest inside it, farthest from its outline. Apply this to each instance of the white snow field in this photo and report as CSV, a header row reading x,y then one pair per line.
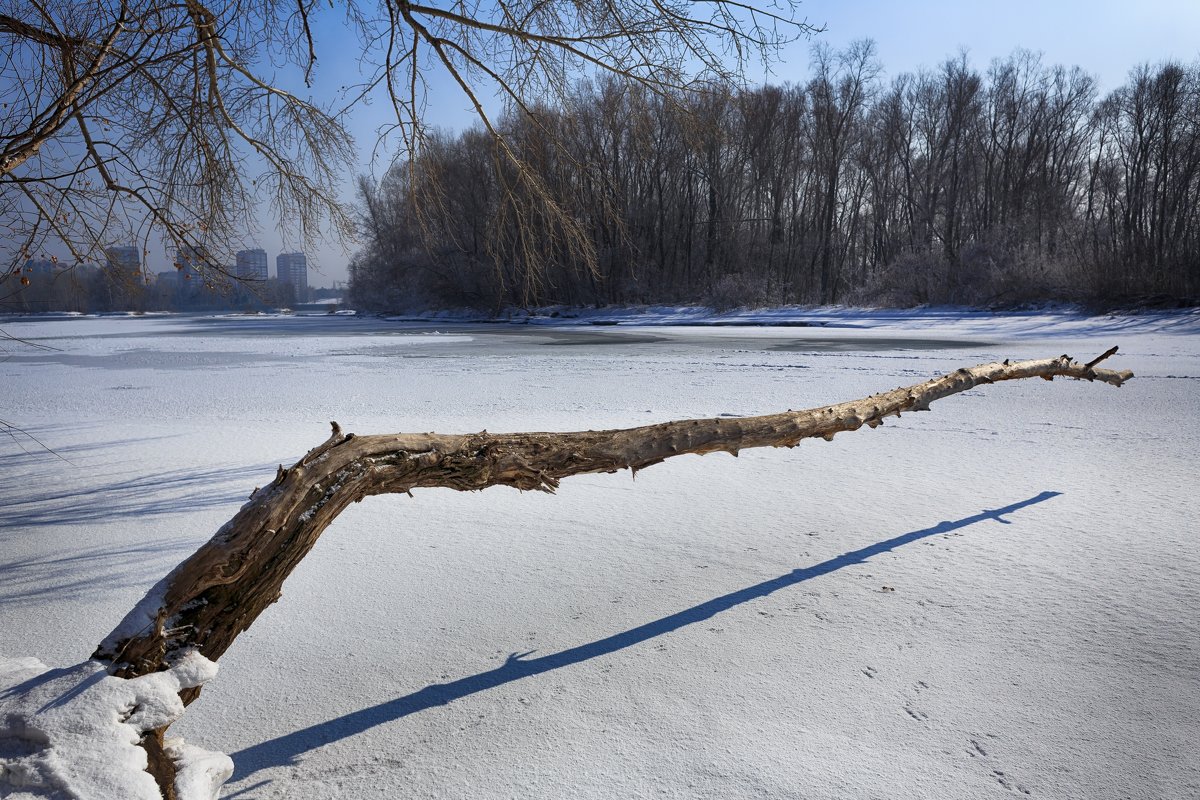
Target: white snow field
x,y
998,598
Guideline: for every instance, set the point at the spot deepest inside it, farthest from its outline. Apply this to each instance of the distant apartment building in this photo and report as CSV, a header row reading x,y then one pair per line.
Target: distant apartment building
x,y
191,261
44,266
293,268
124,259
251,264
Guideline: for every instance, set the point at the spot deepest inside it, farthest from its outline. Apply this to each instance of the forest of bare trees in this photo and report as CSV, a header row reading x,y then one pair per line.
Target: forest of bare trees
x,y
1015,184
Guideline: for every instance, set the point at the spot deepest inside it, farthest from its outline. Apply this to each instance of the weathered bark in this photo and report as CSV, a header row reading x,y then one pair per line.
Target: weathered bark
x,y
222,588
158,763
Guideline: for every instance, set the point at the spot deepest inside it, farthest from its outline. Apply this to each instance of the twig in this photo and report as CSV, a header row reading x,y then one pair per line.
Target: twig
x,y
1100,357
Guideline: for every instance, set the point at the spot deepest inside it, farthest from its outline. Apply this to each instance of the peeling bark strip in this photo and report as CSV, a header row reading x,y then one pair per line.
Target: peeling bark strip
x,y
222,588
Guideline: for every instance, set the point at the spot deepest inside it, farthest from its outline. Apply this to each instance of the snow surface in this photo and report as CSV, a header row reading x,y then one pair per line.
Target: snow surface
x,y
998,597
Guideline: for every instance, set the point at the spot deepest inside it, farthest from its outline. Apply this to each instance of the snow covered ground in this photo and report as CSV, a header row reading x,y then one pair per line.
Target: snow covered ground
x,y
998,598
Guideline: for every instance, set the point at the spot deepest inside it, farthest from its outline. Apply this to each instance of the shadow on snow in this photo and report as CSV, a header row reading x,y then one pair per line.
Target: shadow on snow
x,y
85,563
27,506
284,750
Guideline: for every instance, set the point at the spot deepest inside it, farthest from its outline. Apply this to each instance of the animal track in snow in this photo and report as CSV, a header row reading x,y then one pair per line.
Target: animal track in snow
x,y
1007,783
910,706
977,751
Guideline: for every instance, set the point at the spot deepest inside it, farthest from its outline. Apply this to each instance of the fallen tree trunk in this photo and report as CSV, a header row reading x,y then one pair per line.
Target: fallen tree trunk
x,y
218,592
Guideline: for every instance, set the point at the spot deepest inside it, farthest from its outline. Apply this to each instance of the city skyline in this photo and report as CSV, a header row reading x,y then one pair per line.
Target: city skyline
x,y
250,264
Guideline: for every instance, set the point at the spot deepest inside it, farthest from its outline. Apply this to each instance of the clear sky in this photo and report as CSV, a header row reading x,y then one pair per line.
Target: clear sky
x,y
1104,37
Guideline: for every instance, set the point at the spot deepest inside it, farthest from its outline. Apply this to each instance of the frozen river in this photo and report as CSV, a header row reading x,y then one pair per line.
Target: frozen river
x,y
1001,596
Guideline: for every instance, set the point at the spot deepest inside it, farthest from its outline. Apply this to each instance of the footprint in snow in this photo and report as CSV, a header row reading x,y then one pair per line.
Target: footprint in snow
x,y
1007,783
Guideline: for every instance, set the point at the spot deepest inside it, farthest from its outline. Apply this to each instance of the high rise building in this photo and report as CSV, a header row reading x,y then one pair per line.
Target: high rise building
x,y
124,259
191,261
293,268
45,266
252,264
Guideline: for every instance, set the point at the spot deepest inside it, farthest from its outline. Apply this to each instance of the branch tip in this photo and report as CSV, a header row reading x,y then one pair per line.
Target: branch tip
x,y
1100,357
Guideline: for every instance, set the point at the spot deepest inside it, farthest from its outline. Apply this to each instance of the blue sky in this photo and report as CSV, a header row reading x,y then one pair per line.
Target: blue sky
x,y
1104,37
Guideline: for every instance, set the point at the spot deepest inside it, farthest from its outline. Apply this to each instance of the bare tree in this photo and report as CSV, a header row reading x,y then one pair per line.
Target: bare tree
x,y
839,91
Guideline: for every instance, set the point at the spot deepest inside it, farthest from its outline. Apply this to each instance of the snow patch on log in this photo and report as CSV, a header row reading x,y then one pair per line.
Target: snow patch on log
x,y
74,732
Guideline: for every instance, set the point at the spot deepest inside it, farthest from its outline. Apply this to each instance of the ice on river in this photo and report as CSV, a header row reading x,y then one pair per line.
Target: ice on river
x,y
999,597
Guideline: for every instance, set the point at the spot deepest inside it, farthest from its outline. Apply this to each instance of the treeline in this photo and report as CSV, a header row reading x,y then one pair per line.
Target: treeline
x,y
1011,185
